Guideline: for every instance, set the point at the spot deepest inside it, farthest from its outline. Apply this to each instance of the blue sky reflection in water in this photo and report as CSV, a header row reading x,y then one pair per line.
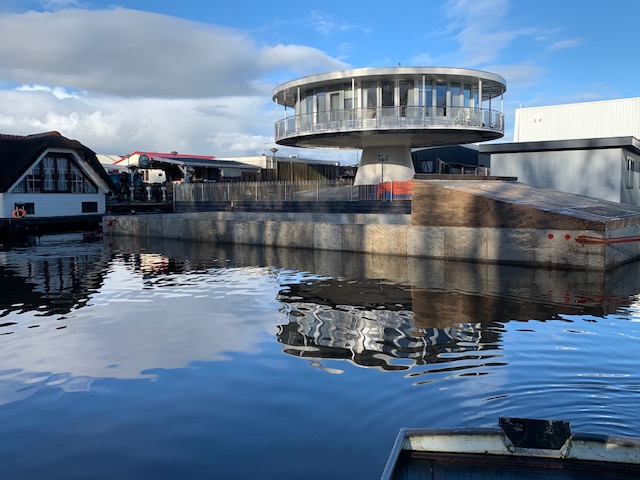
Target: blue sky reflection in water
x,y
179,360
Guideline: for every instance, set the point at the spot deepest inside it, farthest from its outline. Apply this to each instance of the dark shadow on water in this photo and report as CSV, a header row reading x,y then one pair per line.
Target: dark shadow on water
x,y
53,276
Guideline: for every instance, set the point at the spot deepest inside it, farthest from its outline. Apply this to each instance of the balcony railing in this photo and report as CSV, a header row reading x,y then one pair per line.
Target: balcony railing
x,y
390,117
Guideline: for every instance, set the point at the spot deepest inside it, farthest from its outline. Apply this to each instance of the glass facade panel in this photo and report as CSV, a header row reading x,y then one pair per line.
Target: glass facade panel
x,y
426,97
307,119
441,98
336,111
370,98
321,106
456,95
308,101
466,94
348,99
387,94
388,98
406,98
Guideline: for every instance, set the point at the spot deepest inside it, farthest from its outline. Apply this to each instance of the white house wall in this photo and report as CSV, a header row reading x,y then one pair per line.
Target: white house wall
x,y
52,204
595,173
611,118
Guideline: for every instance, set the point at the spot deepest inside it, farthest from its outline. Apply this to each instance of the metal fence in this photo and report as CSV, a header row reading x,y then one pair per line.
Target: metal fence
x,y
313,190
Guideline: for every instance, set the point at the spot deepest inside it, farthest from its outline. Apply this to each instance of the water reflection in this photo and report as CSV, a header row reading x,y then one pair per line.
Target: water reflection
x,y
74,311
52,279
134,353
370,324
394,313
436,313
390,313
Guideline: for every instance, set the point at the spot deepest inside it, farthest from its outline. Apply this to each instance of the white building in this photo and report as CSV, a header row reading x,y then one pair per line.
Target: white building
x,y
609,118
583,148
386,112
47,175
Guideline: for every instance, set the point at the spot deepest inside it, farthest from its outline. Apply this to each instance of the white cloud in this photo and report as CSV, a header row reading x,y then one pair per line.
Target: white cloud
x,y
126,52
480,24
132,53
298,59
519,77
109,124
327,25
564,44
58,92
120,80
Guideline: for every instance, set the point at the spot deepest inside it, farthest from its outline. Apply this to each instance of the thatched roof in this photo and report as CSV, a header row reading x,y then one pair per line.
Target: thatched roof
x,y
18,153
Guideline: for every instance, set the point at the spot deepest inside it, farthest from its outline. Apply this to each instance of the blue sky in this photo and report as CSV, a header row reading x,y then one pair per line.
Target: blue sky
x,y
197,77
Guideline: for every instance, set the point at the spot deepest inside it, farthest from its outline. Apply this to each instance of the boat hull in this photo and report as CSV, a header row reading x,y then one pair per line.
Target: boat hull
x,y
491,453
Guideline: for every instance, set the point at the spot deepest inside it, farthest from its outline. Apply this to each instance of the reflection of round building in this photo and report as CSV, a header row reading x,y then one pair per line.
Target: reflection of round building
x,y
369,338
387,111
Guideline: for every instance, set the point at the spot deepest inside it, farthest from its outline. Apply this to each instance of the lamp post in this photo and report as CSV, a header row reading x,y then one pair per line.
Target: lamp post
x,y
382,158
274,166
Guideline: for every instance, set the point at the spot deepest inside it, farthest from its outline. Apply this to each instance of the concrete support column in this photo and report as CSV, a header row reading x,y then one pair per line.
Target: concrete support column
x,y
385,164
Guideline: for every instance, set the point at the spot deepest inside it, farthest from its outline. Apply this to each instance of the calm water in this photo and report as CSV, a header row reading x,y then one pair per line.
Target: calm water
x,y
129,360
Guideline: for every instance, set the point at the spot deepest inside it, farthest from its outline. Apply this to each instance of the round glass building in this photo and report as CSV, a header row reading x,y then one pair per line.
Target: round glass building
x,y
388,111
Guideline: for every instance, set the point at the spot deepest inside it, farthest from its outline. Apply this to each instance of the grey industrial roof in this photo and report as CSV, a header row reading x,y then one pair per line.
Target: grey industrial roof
x,y
198,162
630,143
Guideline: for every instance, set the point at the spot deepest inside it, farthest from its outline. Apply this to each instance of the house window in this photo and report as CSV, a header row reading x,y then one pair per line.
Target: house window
x,y
29,207
56,173
89,207
630,169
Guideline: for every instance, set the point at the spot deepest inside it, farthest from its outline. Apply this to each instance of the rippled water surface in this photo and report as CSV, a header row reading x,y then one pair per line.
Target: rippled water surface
x,y
120,359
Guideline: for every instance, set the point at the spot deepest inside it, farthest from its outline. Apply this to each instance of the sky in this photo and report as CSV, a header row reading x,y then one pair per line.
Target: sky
x,y
197,77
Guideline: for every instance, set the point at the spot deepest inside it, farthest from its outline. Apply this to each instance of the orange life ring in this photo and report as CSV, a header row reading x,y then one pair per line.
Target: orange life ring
x,y
19,212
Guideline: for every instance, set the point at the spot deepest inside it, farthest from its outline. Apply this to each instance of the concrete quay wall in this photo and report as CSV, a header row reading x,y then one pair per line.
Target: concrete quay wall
x,y
381,234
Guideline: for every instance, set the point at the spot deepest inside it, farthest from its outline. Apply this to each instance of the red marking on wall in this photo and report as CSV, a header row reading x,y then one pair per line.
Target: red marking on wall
x,y
551,236
567,237
606,241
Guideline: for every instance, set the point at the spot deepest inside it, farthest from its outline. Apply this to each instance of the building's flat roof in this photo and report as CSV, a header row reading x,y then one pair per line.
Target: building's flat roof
x,y
199,162
493,84
630,143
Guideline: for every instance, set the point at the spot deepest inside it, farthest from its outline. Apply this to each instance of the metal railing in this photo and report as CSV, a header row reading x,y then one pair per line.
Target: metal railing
x,y
315,190
396,117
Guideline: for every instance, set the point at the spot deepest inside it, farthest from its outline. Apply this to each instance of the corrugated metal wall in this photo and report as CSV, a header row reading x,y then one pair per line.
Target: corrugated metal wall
x,y
595,173
611,118
630,195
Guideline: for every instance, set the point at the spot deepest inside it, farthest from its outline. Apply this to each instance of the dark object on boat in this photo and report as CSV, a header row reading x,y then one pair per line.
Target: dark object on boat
x,y
520,449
